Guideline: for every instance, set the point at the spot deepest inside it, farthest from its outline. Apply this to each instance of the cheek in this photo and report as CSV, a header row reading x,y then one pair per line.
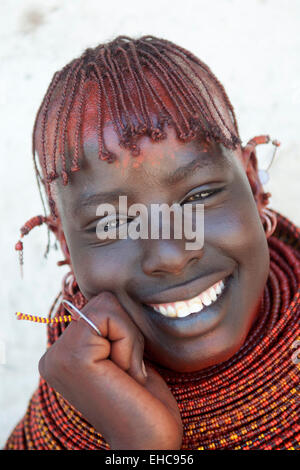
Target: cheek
x,y
235,229
236,226
236,232
98,268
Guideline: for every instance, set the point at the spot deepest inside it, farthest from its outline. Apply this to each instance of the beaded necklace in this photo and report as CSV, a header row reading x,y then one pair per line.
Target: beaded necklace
x,y
251,401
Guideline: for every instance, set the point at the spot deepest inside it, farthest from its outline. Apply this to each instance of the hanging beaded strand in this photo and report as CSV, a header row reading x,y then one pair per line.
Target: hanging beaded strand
x,y
19,248
25,229
36,319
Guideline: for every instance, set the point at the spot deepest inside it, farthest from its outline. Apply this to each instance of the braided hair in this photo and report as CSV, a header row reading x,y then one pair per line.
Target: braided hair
x,y
196,103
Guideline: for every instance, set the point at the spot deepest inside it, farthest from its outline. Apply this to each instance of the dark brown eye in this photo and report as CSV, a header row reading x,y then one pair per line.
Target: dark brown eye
x,y
112,223
108,223
202,195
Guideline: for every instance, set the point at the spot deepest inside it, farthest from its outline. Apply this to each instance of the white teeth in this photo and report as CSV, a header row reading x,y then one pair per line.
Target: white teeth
x,y
182,309
171,311
196,304
212,293
196,307
163,310
205,298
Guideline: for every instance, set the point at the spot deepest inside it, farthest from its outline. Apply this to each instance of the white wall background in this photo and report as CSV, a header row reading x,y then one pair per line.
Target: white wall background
x,y
253,46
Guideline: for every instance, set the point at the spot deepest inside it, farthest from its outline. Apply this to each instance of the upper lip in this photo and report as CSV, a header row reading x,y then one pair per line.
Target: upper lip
x,y
188,291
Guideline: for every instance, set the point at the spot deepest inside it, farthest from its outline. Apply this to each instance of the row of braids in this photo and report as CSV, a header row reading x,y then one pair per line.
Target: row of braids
x,y
193,109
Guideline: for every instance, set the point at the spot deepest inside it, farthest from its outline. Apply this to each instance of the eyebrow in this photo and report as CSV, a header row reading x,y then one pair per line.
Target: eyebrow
x,y
88,200
181,173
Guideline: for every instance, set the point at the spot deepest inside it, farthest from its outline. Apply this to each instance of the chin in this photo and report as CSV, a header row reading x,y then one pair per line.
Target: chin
x,y
213,351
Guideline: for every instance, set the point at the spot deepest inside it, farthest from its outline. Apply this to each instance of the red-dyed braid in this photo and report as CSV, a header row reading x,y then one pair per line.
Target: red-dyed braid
x,y
185,81
248,402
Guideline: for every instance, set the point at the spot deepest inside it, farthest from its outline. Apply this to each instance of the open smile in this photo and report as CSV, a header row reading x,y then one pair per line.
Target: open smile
x,y
183,308
195,314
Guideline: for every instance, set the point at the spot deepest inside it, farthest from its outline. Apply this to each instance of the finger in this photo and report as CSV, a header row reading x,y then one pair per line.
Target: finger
x,y
137,368
127,351
77,340
121,351
127,342
102,310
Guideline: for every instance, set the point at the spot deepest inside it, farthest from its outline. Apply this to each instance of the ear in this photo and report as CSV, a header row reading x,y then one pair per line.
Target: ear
x,y
249,160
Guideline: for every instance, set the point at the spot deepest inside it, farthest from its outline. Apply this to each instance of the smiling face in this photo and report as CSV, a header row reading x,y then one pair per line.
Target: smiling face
x,y
160,271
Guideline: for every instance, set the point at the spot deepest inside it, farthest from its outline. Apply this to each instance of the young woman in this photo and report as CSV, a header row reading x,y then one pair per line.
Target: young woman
x,y
166,348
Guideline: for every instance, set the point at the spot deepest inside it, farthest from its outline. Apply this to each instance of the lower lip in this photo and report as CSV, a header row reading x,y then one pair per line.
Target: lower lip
x,y
196,323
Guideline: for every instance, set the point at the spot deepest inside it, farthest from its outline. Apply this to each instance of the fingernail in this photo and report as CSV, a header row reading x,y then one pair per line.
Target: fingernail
x,y
144,369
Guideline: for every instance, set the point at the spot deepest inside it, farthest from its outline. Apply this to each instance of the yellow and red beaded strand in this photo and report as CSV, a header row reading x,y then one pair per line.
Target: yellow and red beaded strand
x,y
36,319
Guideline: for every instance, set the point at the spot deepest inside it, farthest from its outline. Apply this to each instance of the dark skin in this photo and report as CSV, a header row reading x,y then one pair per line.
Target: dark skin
x,y
90,371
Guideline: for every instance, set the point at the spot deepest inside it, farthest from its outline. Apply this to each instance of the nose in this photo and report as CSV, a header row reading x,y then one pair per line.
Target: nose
x,y
168,256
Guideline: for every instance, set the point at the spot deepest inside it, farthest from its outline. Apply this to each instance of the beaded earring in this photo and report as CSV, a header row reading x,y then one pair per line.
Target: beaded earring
x,y
266,214
27,227
35,222
264,173
249,148
268,218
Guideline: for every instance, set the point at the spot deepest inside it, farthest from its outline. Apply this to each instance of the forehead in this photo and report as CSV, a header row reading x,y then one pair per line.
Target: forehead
x,y
159,156
160,170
